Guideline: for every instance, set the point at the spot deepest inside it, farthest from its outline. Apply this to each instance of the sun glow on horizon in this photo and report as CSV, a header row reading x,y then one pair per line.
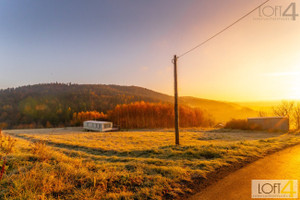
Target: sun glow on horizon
x,y
295,91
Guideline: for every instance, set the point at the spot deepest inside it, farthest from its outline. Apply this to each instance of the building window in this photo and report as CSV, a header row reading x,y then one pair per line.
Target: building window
x,y
107,125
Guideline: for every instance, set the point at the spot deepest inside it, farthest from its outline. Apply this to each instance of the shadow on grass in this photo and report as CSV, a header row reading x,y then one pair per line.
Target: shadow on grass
x,y
170,152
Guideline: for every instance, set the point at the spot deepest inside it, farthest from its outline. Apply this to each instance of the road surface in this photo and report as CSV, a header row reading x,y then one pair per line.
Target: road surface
x,y
237,186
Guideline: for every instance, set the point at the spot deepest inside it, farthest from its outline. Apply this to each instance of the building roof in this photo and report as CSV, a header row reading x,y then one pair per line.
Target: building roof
x,y
97,122
267,117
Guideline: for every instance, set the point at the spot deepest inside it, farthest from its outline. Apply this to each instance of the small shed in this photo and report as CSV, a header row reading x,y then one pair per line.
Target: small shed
x,y
270,123
100,126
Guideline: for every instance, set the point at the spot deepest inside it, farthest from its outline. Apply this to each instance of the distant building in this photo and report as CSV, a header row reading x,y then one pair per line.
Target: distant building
x,y
100,126
270,123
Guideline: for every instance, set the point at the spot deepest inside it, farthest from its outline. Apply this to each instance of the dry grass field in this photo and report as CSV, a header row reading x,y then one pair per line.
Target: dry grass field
x,y
68,163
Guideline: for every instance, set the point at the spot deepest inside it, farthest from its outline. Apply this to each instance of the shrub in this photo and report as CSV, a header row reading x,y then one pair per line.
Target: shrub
x,y
241,124
2,166
7,143
237,124
40,149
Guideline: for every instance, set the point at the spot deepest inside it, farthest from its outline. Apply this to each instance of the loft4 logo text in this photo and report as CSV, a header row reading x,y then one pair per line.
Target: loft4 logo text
x,y
278,12
274,189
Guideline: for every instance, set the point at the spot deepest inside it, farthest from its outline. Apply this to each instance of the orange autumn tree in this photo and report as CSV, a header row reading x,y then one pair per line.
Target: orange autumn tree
x,y
80,117
157,115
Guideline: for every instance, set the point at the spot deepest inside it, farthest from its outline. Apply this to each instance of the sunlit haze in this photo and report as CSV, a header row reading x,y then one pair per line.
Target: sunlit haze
x,y
132,42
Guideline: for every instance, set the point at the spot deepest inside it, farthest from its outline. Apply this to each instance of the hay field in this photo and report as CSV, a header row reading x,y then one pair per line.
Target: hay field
x,y
69,163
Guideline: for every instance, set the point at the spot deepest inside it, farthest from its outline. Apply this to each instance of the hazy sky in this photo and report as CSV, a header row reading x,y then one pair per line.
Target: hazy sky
x,y
132,42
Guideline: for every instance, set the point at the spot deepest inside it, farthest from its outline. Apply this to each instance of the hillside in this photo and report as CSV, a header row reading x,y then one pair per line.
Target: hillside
x,y
221,111
57,102
263,106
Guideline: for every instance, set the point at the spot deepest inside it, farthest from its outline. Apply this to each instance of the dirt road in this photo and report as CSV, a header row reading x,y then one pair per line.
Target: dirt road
x,y
237,186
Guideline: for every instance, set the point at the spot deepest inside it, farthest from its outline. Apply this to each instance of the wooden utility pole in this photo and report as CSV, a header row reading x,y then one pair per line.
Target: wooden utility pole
x,y
176,101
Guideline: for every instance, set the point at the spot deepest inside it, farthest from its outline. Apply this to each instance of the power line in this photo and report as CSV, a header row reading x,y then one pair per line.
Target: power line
x,y
218,33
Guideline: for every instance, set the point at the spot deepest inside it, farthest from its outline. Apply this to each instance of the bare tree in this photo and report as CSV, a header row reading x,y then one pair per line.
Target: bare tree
x,y
296,115
284,109
262,113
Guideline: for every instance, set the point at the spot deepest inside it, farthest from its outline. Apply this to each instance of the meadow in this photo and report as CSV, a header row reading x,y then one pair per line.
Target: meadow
x,y
68,163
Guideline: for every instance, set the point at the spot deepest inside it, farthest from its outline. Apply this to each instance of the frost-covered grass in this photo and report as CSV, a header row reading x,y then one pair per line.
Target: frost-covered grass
x,y
71,164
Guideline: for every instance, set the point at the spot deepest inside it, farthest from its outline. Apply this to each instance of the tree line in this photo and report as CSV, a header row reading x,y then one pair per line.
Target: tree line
x,y
53,105
59,105
147,115
157,115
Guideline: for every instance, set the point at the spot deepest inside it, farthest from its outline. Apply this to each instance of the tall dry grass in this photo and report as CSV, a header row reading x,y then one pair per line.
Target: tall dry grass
x,y
7,144
124,165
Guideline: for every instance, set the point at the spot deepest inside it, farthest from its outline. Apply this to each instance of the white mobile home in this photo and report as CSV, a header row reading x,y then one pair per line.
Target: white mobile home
x,y
100,126
270,123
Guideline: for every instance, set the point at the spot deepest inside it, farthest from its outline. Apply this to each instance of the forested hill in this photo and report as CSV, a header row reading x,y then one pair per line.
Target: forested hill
x,y
57,102
76,90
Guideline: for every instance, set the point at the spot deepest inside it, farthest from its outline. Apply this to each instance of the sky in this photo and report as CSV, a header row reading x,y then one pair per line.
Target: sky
x,y
132,42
